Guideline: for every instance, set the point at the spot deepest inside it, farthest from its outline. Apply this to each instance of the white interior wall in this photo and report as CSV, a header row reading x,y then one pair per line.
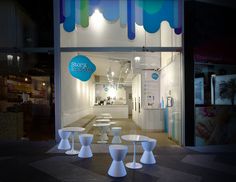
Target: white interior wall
x,y
77,97
119,92
168,36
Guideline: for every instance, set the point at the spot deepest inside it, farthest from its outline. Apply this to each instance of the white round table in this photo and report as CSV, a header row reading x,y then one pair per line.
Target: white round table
x,y
103,120
72,151
104,117
105,114
134,139
103,129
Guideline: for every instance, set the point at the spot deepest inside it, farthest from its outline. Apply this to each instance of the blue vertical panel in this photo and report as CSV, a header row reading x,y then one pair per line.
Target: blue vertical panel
x,y
175,13
77,12
94,4
67,9
166,120
138,12
152,18
131,19
110,9
69,24
123,12
173,126
178,30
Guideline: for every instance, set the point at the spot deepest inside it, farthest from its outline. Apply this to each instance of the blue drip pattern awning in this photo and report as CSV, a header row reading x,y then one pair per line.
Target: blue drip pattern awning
x,y
148,13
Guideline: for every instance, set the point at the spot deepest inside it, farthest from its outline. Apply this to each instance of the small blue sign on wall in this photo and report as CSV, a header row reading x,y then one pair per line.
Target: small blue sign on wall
x,y
155,76
81,67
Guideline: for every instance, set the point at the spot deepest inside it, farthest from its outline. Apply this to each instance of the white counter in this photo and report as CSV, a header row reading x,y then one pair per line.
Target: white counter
x,y
116,111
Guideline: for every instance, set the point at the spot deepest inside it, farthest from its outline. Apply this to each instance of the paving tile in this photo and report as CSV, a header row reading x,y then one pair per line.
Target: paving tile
x,y
208,161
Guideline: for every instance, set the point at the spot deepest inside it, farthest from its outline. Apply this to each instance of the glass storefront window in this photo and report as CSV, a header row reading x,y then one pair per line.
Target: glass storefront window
x,y
26,96
125,87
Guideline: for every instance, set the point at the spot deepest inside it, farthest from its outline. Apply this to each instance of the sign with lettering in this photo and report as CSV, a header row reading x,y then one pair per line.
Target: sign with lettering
x,y
81,67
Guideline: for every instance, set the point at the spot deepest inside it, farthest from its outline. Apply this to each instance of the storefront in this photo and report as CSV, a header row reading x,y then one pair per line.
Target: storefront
x,y
136,50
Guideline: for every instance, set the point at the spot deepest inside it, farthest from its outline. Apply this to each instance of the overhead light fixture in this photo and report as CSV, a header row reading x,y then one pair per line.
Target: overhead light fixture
x,y
18,58
97,21
137,58
9,57
26,79
43,83
112,73
96,11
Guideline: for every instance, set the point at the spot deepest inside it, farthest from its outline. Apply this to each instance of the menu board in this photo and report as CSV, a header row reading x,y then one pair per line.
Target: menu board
x,y
150,89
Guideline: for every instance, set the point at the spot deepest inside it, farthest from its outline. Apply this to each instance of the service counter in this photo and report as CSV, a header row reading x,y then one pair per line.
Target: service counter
x,y
116,110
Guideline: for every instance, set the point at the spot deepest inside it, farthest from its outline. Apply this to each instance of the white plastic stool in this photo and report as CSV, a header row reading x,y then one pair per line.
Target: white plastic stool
x,y
148,157
109,129
85,140
64,143
118,153
116,133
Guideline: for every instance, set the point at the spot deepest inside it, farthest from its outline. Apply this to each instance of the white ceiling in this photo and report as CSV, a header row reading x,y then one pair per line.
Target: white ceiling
x,y
115,60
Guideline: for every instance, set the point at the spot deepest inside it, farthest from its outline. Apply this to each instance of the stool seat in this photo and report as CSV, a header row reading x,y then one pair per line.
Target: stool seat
x,y
118,153
85,141
148,157
64,143
116,133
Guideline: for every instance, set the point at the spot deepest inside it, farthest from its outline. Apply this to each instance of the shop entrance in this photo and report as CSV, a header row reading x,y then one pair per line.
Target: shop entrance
x,y
136,49
142,91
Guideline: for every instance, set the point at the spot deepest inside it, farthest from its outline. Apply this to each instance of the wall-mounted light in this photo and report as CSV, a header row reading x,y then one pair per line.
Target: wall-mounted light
x,y
9,57
43,83
112,73
26,79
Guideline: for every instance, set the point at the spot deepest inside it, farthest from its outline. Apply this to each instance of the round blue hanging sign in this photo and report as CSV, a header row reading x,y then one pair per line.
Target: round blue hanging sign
x,y
81,67
155,76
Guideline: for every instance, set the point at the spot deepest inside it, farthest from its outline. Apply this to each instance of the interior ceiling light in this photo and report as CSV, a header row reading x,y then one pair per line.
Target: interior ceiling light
x,y
9,57
96,11
112,73
137,58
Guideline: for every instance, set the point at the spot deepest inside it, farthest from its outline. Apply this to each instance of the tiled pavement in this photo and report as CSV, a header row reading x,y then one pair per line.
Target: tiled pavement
x,y
36,161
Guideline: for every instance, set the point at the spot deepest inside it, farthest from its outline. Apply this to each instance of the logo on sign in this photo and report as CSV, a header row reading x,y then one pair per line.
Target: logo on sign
x,y
155,76
81,68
